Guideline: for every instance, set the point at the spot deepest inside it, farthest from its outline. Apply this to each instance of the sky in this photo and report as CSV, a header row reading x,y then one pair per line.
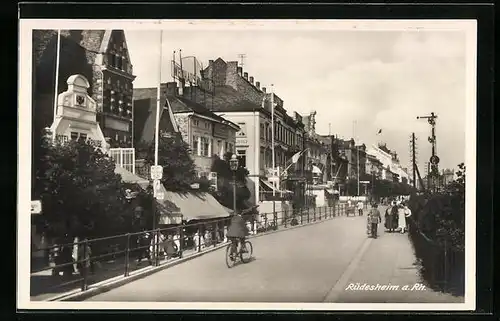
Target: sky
x,y
358,81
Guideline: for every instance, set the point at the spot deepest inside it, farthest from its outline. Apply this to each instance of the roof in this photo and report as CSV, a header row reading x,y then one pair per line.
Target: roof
x,y
145,114
128,177
181,105
227,99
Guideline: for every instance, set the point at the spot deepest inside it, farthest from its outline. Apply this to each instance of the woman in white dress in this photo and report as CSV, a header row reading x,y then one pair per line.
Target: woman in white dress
x,y
401,218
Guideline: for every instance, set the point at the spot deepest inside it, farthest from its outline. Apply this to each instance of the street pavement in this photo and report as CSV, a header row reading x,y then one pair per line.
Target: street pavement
x,y
311,264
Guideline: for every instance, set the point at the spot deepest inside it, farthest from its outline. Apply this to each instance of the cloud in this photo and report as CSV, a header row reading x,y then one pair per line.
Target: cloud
x,y
382,79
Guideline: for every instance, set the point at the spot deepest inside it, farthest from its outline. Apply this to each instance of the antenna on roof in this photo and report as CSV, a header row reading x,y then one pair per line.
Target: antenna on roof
x,y
242,59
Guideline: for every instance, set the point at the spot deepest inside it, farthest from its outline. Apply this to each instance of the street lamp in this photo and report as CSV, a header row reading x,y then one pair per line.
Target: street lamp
x,y
233,164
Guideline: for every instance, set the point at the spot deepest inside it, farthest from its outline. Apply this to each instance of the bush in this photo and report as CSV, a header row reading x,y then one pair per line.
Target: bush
x,y
438,235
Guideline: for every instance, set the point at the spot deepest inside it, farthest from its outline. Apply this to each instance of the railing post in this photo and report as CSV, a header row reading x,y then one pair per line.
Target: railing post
x,y
308,218
301,216
84,265
285,218
217,235
252,221
275,220
314,214
181,241
445,274
127,256
199,239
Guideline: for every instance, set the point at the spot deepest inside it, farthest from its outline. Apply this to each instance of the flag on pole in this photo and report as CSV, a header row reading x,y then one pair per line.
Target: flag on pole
x,y
379,131
296,157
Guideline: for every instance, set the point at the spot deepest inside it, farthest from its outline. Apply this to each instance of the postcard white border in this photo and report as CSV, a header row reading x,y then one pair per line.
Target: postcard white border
x,y
24,157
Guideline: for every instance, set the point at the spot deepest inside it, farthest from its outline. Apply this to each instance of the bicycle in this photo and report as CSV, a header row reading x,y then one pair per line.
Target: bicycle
x,y
232,258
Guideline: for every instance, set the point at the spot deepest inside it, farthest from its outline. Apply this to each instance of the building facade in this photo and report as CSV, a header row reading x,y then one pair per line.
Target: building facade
x,y
317,151
101,56
231,93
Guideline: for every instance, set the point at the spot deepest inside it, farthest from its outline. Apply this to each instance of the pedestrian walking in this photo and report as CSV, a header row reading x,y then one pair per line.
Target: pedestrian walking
x,y
361,205
374,218
407,214
401,218
390,217
170,247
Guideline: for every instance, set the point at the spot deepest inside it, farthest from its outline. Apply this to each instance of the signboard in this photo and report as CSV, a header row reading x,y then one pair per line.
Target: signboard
x,y
364,182
434,160
241,142
220,131
156,185
160,196
36,207
156,172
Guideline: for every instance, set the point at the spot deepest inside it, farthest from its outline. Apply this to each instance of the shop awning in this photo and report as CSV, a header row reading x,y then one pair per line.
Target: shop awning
x,y
128,177
270,187
197,205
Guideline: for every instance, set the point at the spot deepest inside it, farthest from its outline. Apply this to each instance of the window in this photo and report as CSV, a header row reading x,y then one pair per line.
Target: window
x,y
82,137
119,62
205,143
74,136
242,157
194,145
262,133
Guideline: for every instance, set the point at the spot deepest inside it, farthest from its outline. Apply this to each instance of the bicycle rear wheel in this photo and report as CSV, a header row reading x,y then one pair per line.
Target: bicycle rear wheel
x,y
245,257
230,258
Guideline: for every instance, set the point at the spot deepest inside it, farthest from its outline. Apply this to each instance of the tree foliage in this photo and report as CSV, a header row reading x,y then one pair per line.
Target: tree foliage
x,y
224,192
179,171
81,194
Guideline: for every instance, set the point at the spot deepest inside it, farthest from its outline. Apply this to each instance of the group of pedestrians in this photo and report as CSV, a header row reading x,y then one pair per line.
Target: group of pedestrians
x,y
394,218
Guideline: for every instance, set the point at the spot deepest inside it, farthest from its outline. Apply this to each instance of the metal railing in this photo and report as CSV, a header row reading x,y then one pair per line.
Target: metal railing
x,y
105,258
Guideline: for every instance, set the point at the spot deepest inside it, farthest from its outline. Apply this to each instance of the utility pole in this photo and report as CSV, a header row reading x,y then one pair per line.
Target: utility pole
x,y
434,159
414,160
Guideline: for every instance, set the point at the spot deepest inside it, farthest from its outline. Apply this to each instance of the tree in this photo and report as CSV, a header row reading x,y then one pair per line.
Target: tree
x,y
179,171
81,194
225,180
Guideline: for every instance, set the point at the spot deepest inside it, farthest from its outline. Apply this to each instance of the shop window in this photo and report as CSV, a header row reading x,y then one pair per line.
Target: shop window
x,y
74,135
82,137
205,143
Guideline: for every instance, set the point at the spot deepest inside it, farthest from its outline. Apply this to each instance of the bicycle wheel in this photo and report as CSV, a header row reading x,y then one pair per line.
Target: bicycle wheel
x,y
245,257
230,259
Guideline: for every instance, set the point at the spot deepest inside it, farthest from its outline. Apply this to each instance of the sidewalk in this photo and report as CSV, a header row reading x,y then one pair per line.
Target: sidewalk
x,y
389,260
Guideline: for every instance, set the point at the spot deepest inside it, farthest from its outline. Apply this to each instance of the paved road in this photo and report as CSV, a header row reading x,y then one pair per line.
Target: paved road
x,y
299,265
310,264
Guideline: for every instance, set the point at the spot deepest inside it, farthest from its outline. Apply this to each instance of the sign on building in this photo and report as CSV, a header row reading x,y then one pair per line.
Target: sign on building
x,y
156,172
212,178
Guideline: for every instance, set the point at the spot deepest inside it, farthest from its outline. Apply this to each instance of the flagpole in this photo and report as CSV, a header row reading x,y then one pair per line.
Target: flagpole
x,y
272,135
56,88
158,97
173,66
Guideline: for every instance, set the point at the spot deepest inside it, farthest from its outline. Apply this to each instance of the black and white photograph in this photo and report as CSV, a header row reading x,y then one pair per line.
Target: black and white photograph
x,y
247,164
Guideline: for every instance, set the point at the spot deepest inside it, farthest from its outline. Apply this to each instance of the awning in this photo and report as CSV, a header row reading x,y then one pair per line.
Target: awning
x,y
128,177
316,170
270,187
196,205
230,211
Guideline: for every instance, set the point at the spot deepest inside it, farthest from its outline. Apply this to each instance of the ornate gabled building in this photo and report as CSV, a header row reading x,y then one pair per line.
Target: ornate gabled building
x,y
102,57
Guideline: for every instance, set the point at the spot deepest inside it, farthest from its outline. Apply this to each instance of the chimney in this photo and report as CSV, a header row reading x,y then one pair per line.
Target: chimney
x,y
263,89
251,80
257,84
240,70
245,75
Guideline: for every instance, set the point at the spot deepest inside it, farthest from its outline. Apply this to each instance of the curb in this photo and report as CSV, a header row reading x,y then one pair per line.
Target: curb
x,y
113,283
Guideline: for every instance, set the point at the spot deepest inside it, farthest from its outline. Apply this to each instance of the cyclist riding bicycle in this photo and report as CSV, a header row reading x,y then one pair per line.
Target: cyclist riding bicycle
x,y
237,233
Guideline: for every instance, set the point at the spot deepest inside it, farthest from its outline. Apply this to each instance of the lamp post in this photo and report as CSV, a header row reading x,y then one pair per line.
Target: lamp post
x,y
233,164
